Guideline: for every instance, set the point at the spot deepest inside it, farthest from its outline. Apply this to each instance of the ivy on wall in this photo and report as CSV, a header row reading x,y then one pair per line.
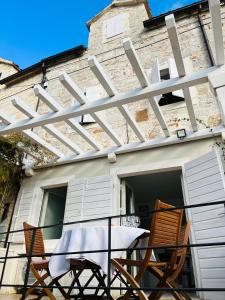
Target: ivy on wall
x,y
11,172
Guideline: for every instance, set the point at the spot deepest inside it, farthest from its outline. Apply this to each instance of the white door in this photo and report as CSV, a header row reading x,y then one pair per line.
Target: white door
x,y
204,182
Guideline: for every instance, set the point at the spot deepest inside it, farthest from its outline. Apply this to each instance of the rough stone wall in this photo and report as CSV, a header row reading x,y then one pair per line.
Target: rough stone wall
x,y
150,44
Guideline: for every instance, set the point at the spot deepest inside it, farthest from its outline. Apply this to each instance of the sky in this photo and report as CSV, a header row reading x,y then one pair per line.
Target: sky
x,y
31,30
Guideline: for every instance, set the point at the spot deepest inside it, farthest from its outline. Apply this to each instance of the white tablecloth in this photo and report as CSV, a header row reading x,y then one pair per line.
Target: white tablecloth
x,y
90,239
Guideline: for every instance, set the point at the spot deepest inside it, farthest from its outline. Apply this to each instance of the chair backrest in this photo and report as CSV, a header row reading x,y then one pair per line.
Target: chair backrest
x,y
38,246
165,226
182,251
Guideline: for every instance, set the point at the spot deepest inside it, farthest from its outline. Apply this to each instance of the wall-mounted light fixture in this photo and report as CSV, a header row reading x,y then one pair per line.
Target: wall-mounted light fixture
x,y
181,134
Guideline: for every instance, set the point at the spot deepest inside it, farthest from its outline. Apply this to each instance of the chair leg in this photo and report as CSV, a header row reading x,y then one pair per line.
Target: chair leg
x,y
131,281
40,280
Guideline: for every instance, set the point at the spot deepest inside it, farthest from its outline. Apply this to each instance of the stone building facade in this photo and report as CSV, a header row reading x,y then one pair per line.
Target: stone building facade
x,y
152,44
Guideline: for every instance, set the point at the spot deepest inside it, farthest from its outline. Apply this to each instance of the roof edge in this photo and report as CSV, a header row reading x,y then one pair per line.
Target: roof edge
x,y
158,21
48,62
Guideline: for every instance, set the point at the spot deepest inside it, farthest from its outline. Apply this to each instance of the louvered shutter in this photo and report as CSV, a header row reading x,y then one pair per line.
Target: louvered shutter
x,y
74,202
23,212
97,201
204,182
174,74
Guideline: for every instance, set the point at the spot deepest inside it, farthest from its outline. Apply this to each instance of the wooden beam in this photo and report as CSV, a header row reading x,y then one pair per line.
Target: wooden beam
x,y
175,44
102,77
135,62
105,126
33,136
215,11
155,78
73,123
156,143
130,120
49,128
164,87
72,88
105,81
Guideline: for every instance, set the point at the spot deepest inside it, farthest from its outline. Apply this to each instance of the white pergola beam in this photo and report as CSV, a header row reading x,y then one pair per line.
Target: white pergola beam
x,y
105,81
55,106
215,11
33,136
155,78
135,62
102,77
158,113
75,91
151,91
105,126
175,44
49,128
156,143
130,120
72,88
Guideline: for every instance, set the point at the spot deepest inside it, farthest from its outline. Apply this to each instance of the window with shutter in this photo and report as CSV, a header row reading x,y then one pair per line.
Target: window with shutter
x,y
115,26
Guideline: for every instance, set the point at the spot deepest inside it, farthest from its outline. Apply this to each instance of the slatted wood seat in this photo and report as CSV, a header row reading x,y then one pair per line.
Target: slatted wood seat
x,y
165,231
39,264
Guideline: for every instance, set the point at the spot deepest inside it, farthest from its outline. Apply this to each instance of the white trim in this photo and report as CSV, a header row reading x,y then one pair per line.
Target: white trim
x,y
160,142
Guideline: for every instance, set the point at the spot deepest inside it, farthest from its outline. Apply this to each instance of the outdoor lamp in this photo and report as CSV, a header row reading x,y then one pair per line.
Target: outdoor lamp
x,y
181,134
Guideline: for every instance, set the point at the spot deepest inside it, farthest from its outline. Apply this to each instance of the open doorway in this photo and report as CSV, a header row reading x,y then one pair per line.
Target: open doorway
x,y
138,196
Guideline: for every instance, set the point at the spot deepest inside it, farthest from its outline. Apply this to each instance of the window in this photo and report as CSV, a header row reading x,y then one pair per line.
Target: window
x,y
115,26
52,212
164,73
91,93
169,98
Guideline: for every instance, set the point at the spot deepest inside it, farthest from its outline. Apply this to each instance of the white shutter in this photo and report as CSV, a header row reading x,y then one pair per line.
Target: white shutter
x,y
98,198
115,25
155,76
89,198
204,182
24,212
173,74
74,202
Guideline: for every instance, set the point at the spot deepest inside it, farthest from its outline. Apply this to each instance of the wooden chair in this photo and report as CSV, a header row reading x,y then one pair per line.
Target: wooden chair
x,y
165,231
168,275
41,264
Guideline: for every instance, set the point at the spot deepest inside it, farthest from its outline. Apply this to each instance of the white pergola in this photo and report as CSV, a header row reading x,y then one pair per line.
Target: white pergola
x,y
214,75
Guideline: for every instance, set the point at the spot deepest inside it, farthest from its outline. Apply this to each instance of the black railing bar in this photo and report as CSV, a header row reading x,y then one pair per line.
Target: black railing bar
x,y
119,249
26,278
118,216
109,259
126,288
4,263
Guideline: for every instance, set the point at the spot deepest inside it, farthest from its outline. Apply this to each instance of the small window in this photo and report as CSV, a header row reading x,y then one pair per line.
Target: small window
x,y
169,98
91,93
53,209
115,26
